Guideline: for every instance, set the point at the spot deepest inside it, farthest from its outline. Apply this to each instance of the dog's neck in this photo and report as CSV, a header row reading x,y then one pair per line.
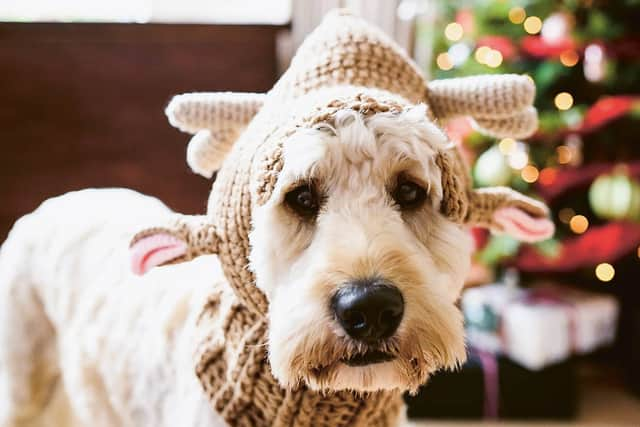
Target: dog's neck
x,y
231,363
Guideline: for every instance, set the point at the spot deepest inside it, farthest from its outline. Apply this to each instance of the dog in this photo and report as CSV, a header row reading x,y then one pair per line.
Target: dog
x,y
355,205
340,223
77,320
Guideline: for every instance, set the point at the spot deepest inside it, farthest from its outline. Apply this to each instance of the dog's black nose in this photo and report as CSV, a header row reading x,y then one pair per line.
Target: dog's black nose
x,y
368,310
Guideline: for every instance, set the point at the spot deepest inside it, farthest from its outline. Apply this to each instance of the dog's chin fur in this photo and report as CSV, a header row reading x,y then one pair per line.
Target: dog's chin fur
x,y
380,376
360,233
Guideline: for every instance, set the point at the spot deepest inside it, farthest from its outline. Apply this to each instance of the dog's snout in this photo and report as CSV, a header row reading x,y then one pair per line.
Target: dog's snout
x,y
368,310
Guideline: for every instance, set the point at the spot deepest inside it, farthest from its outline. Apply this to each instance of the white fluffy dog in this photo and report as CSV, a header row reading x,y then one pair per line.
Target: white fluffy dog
x,y
356,202
339,220
118,345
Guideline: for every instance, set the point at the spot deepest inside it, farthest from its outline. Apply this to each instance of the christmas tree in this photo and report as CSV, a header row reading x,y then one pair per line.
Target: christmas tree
x,y
583,161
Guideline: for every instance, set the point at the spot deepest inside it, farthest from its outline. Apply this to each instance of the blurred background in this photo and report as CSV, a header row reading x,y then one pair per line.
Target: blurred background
x,y
553,328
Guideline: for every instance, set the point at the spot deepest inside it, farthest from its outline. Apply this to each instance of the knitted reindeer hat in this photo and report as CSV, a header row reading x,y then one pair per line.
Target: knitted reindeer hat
x,y
344,64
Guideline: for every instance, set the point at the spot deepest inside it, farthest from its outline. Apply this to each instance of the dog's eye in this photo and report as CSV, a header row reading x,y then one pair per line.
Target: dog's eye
x,y
303,200
408,194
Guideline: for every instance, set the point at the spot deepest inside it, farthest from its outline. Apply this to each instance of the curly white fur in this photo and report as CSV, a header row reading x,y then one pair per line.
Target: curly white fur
x,y
359,233
113,348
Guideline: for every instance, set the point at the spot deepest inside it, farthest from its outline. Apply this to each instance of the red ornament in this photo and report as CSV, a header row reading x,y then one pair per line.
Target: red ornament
x,y
537,47
607,109
465,18
599,114
574,178
607,243
504,45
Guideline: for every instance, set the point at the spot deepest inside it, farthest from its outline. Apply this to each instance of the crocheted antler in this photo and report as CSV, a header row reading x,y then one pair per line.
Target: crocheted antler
x,y
500,105
216,119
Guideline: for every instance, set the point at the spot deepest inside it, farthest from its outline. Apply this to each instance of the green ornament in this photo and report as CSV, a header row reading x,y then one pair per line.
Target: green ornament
x,y
491,169
615,196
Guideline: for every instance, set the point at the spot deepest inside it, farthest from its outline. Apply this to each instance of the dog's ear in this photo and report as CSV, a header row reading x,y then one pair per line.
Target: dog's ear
x,y
181,239
505,211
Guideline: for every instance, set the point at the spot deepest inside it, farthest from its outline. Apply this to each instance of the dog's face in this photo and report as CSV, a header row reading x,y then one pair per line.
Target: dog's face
x,y
361,270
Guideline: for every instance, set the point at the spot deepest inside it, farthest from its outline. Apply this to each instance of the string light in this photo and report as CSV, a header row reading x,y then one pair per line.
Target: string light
x,y
565,215
579,224
605,272
507,146
453,31
569,58
533,25
481,54
517,15
594,63
563,101
530,174
459,53
444,62
548,176
564,154
493,58
519,159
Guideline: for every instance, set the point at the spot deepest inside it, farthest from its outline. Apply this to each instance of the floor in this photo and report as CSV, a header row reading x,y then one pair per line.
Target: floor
x,y
602,404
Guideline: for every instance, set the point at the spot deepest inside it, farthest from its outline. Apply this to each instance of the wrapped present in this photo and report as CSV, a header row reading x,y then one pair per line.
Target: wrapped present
x,y
489,386
541,325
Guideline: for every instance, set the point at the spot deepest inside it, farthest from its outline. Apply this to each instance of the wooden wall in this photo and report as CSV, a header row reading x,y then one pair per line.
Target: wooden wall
x,y
81,105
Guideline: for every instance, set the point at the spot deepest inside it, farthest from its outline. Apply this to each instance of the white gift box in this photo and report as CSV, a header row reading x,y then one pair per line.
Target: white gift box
x,y
538,326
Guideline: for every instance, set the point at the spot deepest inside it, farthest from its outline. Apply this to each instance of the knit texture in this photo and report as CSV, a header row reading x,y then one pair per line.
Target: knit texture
x,y
216,119
344,64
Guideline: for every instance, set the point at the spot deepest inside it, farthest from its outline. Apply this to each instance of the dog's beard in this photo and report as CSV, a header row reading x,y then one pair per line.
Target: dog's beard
x,y
321,357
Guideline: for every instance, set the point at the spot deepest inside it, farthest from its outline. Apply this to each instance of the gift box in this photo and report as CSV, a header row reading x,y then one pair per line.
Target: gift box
x,y
490,386
538,326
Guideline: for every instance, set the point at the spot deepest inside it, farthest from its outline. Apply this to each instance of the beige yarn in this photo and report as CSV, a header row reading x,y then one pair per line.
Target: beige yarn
x,y
216,119
344,63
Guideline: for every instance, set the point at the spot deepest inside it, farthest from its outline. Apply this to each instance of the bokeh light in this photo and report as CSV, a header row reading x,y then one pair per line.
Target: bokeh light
x,y
605,272
530,174
444,62
533,25
507,146
519,159
569,58
517,15
548,176
453,31
481,54
493,58
564,154
579,224
563,101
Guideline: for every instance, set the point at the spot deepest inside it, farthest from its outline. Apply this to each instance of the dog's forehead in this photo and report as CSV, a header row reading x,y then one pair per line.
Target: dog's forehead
x,y
383,144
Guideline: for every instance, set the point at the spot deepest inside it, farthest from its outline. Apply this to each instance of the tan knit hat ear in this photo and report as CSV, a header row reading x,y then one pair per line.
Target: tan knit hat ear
x,y
217,119
505,211
500,105
178,239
